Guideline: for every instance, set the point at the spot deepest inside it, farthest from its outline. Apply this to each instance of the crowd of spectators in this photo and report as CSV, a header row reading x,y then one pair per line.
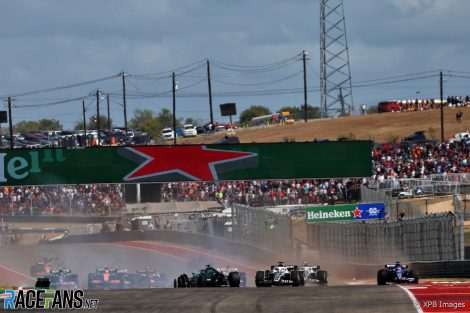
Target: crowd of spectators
x,y
418,105
419,160
411,105
391,160
265,193
56,200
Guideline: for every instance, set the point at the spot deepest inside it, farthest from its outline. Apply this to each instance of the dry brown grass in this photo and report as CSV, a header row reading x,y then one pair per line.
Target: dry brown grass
x,y
377,127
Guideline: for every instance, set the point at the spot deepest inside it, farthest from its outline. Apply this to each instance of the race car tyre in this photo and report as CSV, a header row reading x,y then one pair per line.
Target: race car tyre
x,y
91,277
259,279
322,277
382,277
294,276
180,283
234,279
220,280
415,276
302,278
43,283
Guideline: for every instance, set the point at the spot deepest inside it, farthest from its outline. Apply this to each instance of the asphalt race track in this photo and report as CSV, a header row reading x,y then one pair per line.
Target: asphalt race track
x,y
338,296
374,299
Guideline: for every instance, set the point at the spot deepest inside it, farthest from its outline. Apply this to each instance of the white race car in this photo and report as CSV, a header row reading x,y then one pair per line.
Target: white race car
x,y
313,274
280,275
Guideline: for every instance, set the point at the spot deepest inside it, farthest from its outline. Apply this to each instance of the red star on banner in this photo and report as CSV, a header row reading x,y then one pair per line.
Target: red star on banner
x,y
357,212
194,162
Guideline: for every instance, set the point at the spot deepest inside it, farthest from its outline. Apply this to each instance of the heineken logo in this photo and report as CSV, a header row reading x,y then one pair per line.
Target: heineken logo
x,y
328,215
345,212
20,167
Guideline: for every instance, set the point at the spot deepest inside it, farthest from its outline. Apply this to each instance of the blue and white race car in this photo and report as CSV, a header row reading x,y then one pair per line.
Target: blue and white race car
x,y
396,273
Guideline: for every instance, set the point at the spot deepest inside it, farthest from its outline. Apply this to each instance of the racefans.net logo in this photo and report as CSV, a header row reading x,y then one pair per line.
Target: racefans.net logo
x,y
47,299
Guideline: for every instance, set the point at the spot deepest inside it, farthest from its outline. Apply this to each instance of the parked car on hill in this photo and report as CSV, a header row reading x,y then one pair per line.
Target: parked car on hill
x,y
388,106
168,134
189,130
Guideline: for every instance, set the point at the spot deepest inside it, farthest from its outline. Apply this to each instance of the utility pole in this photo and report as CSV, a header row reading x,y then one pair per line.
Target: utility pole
x,y
109,120
304,59
210,90
84,124
98,115
441,83
123,74
174,108
10,123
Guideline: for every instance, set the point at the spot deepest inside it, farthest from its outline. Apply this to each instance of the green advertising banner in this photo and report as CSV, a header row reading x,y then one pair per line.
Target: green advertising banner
x,y
346,212
330,213
185,163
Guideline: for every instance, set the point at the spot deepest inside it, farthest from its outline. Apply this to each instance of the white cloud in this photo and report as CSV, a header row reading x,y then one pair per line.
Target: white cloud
x,y
414,5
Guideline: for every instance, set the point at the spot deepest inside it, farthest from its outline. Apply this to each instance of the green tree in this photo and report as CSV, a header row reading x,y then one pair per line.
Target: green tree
x,y
253,111
190,120
47,124
26,126
166,118
92,123
153,127
79,125
141,117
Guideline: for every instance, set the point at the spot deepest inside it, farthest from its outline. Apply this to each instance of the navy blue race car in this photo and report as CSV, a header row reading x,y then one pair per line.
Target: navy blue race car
x,y
396,273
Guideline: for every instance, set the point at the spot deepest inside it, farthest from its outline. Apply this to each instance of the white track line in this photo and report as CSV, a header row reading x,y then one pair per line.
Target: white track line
x,y
18,273
413,299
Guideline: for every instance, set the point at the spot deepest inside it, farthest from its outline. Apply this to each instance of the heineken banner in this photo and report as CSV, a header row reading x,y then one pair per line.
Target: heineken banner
x,y
185,163
345,212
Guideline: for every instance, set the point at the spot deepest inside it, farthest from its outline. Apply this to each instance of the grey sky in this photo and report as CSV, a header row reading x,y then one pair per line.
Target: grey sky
x,y
47,43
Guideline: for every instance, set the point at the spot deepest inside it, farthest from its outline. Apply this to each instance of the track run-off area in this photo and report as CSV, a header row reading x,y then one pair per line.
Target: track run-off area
x,y
338,296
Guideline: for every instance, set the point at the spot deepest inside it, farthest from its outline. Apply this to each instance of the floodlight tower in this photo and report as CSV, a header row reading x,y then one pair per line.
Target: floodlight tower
x,y
335,73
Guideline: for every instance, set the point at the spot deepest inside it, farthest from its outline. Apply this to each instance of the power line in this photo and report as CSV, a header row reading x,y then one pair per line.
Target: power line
x,y
392,81
257,84
398,76
257,66
37,105
27,93
169,71
255,70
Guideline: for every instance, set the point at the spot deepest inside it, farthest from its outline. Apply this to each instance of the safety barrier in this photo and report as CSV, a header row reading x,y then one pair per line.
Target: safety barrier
x,y
54,219
431,238
442,269
218,244
439,269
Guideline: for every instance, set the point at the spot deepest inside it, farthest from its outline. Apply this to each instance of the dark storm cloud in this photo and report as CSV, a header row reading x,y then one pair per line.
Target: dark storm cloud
x,y
54,42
